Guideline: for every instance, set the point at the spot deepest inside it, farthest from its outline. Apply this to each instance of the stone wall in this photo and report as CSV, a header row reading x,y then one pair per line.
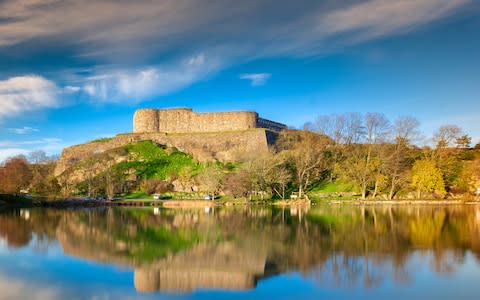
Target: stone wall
x,y
221,146
185,120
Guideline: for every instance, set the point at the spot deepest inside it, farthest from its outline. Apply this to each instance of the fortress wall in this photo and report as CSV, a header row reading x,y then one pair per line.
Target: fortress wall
x,y
185,120
145,120
275,126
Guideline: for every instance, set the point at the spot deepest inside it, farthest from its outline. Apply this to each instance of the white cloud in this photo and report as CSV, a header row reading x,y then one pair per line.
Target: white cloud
x,y
20,289
26,93
11,152
139,85
118,36
71,89
371,19
256,79
43,141
23,130
10,148
100,28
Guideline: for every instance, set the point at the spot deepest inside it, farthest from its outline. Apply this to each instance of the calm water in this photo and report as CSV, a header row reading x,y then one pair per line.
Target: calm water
x,y
325,252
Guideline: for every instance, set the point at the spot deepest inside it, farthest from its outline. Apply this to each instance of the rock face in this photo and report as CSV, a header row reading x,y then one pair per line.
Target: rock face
x,y
185,120
221,146
225,136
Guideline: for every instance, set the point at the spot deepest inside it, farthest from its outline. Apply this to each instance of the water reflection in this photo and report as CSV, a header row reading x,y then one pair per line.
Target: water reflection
x,y
235,248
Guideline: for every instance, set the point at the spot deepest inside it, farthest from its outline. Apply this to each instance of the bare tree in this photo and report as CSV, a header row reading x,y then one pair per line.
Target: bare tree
x,y
446,135
405,130
307,155
377,129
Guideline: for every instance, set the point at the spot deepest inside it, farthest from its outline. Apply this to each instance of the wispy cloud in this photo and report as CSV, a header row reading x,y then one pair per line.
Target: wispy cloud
x,y
256,79
71,89
23,130
43,141
9,148
145,47
15,289
26,93
138,85
371,19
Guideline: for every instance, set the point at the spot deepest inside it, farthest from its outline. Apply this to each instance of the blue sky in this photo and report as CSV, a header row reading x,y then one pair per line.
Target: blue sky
x,y
72,71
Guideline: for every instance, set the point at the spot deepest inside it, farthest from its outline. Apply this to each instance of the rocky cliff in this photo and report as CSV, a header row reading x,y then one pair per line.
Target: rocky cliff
x,y
212,146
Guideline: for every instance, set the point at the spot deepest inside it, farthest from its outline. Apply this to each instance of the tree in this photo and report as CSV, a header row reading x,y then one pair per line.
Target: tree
x,y
426,177
257,170
446,135
377,129
211,180
464,141
344,130
38,157
405,130
15,175
307,154
278,179
236,184
43,179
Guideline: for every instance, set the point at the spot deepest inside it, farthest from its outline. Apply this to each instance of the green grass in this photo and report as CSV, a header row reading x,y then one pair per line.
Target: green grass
x,y
101,140
152,161
136,195
334,187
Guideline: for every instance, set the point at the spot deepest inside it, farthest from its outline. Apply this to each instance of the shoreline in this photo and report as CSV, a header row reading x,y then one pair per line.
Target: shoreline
x,y
200,203
403,202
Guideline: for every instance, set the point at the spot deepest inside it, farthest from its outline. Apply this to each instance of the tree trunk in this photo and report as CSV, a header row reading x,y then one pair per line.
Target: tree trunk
x,y
364,191
392,190
375,190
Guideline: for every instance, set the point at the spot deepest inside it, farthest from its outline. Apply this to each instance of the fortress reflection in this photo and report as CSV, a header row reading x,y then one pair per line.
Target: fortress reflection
x,y
234,248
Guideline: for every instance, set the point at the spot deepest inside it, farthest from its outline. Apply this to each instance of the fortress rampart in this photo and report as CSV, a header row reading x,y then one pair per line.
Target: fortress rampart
x,y
186,120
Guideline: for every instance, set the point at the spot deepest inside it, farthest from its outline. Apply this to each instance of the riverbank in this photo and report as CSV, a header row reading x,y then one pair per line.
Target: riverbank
x,y
402,202
22,202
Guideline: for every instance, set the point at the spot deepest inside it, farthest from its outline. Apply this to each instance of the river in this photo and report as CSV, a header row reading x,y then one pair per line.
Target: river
x,y
244,252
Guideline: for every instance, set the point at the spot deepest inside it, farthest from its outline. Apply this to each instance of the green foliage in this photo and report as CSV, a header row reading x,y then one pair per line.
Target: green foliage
x,y
137,195
152,161
424,231
426,177
335,187
151,243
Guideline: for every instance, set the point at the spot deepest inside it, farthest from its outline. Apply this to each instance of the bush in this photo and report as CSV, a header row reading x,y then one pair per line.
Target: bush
x,y
152,186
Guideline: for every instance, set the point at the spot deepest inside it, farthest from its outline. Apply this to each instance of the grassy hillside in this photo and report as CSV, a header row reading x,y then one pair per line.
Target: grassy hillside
x,y
151,161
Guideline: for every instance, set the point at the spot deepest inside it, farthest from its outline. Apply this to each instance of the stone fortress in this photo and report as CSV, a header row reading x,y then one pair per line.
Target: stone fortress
x,y
183,120
213,136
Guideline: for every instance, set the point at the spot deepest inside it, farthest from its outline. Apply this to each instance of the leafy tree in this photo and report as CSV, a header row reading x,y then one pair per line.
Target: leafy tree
x,y
15,175
426,177
464,141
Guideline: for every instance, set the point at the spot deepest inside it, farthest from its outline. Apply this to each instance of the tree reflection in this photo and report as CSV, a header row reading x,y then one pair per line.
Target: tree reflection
x,y
233,248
